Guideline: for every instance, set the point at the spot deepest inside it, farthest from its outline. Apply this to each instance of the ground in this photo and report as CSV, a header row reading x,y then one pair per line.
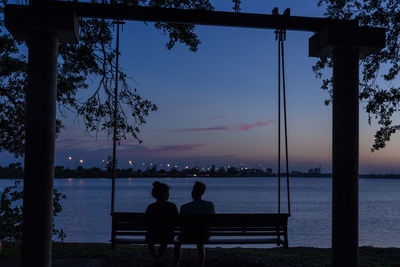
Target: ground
x,y
99,255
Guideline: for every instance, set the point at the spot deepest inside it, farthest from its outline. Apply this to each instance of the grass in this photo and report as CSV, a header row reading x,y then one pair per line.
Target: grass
x,y
138,255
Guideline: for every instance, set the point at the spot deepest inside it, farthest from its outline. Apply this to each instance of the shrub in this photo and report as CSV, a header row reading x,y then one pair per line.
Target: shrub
x,y
11,213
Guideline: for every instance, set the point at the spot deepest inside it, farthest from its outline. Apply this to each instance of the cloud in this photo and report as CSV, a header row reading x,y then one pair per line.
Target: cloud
x,y
248,126
216,117
217,128
88,143
240,127
158,151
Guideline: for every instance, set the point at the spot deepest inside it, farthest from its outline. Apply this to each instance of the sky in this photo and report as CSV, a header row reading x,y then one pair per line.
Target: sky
x,y
219,104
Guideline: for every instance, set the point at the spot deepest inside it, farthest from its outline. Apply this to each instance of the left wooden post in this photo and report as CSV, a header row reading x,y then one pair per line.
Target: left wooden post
x,y
40,126
42,28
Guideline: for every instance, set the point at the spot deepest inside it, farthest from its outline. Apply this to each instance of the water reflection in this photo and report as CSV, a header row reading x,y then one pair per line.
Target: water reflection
x,y
86,212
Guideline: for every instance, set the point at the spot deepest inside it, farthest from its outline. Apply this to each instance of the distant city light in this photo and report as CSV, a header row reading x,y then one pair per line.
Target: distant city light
x,y
81,161
130,162
187,167
69,158
168,165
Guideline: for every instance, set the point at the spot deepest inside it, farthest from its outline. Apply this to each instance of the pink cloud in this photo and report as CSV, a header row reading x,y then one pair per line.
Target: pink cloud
x,y
216,117
248,126
240,127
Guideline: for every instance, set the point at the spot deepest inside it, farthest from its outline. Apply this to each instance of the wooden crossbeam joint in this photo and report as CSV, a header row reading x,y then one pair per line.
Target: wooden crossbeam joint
x,y
59,20
367,40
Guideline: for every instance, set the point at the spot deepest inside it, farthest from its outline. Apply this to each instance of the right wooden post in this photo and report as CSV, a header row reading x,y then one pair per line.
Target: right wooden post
x,y
345,46
345,156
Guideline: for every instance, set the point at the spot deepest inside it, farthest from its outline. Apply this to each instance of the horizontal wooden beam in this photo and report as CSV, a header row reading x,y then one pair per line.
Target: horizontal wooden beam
x,y
21,19
200,17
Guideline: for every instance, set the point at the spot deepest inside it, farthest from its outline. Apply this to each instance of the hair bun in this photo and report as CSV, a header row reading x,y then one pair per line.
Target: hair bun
x,y
156,183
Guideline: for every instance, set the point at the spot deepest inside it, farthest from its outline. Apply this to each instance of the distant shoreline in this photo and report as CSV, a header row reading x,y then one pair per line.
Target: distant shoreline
x,y
16,170
364,176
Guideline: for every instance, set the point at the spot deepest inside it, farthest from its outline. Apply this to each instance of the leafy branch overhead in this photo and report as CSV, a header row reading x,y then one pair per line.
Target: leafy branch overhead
x,y
379,89
92,58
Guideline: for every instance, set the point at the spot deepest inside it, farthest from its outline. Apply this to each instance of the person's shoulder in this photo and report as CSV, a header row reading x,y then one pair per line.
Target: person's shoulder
x,y
171,204
209,203
210,206
186,206
151,206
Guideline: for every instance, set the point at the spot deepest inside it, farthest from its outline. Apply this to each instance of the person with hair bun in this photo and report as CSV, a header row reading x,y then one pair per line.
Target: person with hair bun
x,y
160,220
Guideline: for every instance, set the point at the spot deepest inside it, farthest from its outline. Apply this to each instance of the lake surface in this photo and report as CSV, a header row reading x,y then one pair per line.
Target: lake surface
x,y
85,216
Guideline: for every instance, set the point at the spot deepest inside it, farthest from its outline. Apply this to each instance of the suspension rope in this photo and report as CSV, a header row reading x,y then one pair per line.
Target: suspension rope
x,y
285,121
280,36
115,117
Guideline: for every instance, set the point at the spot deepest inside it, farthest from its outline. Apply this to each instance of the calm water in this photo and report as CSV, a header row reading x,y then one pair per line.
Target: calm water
x,y
85,216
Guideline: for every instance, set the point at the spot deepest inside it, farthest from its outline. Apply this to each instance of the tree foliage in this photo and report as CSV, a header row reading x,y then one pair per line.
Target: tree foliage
x,y
379,90
92,58
11,213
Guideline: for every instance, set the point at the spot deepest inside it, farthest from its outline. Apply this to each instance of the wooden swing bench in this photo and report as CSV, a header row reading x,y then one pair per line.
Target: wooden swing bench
x,y
266,228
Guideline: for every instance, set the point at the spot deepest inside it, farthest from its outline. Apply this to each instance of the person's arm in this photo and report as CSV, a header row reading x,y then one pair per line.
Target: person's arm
x,y
147,217
212,208
147,210
175,210
182,210
175,215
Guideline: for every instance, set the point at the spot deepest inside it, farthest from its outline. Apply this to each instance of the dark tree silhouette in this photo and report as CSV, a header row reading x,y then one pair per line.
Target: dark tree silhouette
x,y
93,57
378,90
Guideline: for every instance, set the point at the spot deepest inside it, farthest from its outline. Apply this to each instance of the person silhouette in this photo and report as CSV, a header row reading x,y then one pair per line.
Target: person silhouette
x,y
160,221
196,232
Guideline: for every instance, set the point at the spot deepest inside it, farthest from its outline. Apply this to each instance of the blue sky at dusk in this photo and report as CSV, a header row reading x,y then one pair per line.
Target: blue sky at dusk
x,y
219,105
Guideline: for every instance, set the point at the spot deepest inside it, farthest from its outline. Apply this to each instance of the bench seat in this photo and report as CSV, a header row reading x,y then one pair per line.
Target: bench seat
x,y
266,228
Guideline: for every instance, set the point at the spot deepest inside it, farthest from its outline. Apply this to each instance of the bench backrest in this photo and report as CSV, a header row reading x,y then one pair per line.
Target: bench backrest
x,y
133,221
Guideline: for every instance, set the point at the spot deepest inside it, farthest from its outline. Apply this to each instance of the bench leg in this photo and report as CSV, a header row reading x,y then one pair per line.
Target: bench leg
x,y
285,239
278,237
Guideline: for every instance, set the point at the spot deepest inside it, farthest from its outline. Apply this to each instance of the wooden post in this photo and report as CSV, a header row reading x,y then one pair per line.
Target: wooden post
x,y
345,156
345,45
31,24
40,129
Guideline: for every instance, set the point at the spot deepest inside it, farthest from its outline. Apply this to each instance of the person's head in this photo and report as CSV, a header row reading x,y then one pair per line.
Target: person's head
x,y
160,191
198,190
